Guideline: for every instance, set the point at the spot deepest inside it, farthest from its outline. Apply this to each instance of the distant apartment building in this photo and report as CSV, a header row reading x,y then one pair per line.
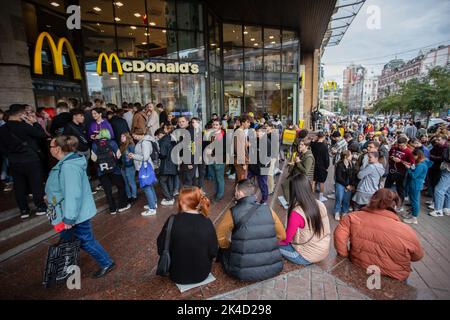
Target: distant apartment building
x,y
331,95
397,71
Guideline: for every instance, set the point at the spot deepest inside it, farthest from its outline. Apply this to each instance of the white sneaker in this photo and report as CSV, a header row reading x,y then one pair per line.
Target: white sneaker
x,y
25,215
146,207
124,208
337,216
232,177
406,215
429,202
331,196
99,188
165,202
447,211
176,193
411,220
436,213
150,212
323,198
283,202
431,206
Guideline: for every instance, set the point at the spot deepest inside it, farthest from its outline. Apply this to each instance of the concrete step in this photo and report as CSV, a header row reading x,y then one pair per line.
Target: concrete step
x,y
36,240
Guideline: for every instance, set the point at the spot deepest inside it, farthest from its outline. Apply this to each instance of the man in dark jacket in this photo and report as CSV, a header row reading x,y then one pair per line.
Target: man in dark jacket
x,y
63,117
319,149
19,139
352,144
167,169
118,123
253,254
77,128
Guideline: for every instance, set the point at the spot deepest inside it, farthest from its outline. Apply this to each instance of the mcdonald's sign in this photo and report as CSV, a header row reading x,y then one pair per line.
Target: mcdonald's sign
x,y
109,61
330,85
57,54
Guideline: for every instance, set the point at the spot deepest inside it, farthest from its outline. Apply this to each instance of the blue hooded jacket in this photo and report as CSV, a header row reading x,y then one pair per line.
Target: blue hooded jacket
x,y
68,189
417,176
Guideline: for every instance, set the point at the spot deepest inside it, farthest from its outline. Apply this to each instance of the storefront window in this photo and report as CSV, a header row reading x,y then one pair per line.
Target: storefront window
x,y
272,60
254,97
192,97
131,12
290,52
289,100
136,87
272,97
191,45
98,38
165,90
189,15
233,97
253,59
232,47
102,13
132,41
162,13
163,44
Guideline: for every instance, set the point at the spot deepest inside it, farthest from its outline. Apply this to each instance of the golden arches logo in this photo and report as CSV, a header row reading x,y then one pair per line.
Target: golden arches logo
x,y
330,85
109,61
57,54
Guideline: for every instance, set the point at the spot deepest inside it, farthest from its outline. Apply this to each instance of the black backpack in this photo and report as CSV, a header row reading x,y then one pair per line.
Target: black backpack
x,y
155,151
106,158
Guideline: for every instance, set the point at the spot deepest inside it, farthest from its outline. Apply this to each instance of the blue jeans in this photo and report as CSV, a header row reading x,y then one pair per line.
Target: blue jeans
x,y
414,199
128,174
442,191
343,197
289,253
218,172
262,183
151,196
83,232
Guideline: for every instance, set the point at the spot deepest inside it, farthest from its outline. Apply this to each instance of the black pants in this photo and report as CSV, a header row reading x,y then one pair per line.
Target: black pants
x,y
201,175
167,183
187,175
399,180
108,180
28,176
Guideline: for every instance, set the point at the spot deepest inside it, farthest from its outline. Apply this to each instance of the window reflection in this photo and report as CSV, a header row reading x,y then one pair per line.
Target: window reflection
x,y
165,90
233,97
254,97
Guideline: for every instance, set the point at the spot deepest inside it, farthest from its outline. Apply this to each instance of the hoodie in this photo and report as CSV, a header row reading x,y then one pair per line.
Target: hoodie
x,y
143,152
417,175
68,189
370,178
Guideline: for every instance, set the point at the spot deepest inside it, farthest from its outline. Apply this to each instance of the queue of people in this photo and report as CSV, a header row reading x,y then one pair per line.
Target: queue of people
x,y
132,147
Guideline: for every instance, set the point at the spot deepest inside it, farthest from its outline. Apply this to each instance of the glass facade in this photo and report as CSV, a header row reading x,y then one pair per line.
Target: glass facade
x,y
241,67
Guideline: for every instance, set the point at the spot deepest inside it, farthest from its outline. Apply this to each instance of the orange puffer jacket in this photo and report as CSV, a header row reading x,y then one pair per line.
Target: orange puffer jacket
x,y
378,238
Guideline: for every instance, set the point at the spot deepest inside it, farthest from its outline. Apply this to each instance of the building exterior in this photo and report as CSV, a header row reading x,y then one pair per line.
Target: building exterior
x,y
370,94
353,92
331,96
195,57
439,57
396,72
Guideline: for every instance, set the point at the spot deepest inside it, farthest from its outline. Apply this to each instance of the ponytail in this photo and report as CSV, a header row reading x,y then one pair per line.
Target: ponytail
x,y
203,205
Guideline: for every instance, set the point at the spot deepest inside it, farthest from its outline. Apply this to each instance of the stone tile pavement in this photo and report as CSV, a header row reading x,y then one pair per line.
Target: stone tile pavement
x,y
309,283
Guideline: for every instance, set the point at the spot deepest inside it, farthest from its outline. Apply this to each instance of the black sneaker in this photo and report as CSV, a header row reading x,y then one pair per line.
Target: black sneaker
x,y
103,271
41,211
25,214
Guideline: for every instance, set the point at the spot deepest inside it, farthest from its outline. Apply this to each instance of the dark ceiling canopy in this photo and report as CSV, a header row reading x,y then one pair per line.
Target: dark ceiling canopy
x,y
309,17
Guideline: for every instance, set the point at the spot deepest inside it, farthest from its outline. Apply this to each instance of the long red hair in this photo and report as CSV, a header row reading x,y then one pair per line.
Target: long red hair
x,y
193,198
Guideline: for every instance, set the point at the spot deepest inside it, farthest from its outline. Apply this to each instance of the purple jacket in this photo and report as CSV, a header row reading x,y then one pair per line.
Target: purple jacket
x,y
97,127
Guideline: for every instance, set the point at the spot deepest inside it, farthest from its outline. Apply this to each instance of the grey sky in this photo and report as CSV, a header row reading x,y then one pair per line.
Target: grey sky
x,y
405,25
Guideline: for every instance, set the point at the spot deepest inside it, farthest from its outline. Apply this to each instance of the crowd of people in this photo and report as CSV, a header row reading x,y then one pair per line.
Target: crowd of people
x,y
65,158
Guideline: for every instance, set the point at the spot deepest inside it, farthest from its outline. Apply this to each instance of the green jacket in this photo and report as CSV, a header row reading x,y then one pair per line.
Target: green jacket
x,y
68,189
305,166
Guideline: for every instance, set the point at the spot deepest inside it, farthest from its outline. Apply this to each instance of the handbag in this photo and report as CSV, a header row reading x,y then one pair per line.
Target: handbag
x,y
59,258
147,175
164,260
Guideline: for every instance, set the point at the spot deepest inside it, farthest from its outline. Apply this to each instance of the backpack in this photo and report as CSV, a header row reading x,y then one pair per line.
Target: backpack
x,y
106,158
155,151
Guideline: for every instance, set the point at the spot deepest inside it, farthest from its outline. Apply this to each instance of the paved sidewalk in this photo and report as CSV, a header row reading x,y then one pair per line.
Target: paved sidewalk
x,y
309,283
